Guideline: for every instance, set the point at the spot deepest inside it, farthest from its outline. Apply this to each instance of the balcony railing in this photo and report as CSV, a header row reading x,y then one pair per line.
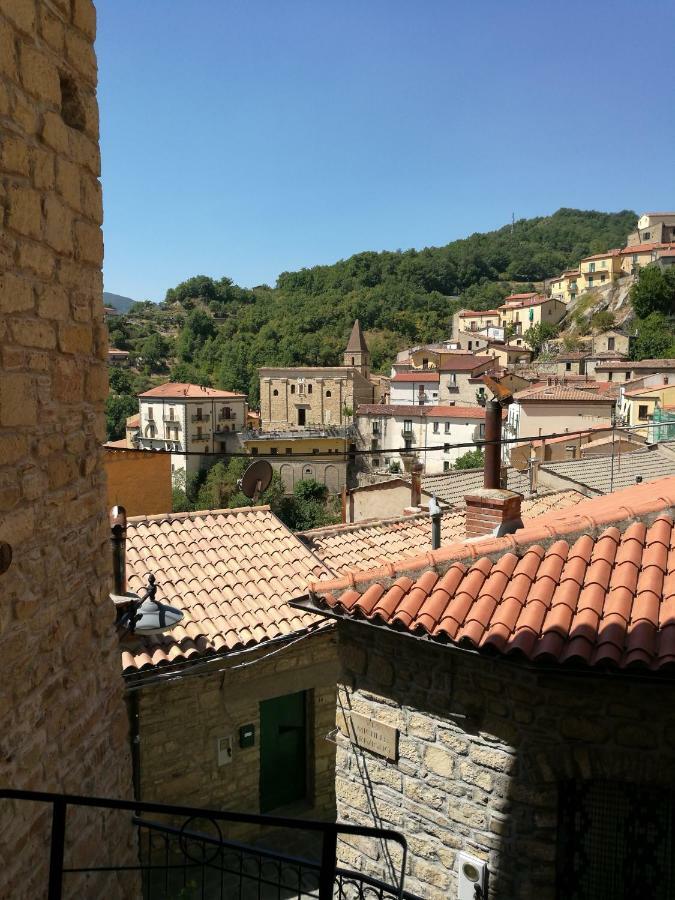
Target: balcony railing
x,y
205,417
178,858
169,421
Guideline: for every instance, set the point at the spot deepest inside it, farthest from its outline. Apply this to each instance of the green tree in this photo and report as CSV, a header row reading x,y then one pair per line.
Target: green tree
x,y
309,507
118,407
120,381
653,292
536,336
602,320
154,352
655,338
473,459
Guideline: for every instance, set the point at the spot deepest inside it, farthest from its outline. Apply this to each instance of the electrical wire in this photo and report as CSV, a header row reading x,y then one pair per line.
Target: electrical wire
x,y
328,454
202,663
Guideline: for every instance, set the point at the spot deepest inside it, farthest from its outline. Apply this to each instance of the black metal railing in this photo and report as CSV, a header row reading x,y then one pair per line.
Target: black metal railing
x,y
188,857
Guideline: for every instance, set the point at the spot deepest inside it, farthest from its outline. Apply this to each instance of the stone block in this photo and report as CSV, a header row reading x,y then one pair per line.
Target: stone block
x,y
18,400
25,211
21,13
55,132
33,333
7,52
89,243
84,17
16,293
58,225
80,55
68,182
53,303
51,29
42,168
14,155
39,75
577,728
75,339
492,758
439,761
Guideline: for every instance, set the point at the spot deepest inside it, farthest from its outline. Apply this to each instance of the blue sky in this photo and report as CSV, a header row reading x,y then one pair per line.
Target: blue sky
x,y
249,137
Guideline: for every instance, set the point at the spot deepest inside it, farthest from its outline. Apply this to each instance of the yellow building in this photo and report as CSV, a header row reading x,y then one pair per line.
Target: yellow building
x,y
316,453
565,286
640,255
639,404
523,311
599,269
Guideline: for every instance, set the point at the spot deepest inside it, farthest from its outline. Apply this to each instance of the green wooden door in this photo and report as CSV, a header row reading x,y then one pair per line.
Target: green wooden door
x,y
283,751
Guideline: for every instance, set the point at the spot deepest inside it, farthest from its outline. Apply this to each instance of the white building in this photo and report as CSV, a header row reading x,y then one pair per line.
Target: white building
x,y
187,417
414,388
391,428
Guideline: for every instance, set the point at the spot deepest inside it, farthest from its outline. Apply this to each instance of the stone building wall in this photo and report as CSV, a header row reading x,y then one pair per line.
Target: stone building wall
x,y
181,720
483,748
63,722
280,396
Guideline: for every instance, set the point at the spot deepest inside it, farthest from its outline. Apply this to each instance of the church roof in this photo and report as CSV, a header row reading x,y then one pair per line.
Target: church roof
x,y
357,342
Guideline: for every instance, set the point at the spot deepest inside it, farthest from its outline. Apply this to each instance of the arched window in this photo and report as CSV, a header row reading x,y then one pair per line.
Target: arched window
x,y
328,394
275,393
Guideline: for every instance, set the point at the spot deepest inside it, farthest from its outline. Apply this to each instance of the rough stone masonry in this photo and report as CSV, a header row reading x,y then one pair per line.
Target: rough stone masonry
x,y
63,724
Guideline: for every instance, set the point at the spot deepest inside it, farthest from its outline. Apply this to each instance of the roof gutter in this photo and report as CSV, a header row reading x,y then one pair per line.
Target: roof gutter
x,y
511,661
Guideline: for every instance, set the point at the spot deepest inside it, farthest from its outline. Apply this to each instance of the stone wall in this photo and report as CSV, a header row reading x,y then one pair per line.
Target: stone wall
x,y
63,723
181,720
484,745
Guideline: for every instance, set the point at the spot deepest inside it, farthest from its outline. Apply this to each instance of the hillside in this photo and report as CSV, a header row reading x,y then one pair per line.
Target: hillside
x,y
121,304
401,297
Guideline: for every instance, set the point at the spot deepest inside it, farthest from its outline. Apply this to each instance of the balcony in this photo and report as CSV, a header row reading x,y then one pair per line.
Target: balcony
x,y
205,417
184,852
200,437
168,421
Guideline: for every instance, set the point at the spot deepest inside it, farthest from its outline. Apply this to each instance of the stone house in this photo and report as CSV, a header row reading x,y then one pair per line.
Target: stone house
x,y
572,362
523,311
628,370
653,226
637,256
474,320
230,708
460,377
611,341
494,695
192,422
63,723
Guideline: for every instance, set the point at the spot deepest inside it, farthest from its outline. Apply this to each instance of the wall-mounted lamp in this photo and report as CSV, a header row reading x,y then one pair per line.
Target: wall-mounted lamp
x,y
136,614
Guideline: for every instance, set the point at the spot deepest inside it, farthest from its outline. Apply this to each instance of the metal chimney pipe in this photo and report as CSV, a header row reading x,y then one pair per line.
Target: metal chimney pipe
x,y
493,443
118,543
416,484
435,514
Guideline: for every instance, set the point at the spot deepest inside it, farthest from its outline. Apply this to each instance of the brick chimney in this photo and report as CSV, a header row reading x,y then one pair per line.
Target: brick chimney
x,y
492,511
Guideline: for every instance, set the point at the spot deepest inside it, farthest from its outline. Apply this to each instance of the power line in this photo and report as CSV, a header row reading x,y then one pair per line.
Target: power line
x,y
336,454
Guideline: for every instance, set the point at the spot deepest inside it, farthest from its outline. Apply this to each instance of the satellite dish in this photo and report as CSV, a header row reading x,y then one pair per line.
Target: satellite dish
x,y
256,479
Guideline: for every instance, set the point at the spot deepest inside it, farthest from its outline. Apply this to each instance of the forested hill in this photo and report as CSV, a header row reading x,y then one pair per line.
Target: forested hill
x,y
227,332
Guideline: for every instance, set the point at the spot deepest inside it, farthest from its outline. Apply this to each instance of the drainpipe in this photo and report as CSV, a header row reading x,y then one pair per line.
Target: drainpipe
x,y
118,541
493,445
435,513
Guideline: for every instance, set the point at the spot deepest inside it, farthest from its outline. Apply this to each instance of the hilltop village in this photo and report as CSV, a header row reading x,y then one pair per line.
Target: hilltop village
x,y
357,586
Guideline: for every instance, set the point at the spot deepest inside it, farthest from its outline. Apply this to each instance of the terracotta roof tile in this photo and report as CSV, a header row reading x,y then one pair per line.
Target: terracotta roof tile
x,y
231,571
179,390
605,597
363,546
595,473
561,392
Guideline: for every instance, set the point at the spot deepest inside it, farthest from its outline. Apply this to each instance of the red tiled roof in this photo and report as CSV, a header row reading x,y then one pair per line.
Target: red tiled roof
x,y
180,390
469,313
449,362
588,585
525,296
638,364
362,546
448,412
415,376
231,571
604,255
645,248
638,392
566,437
558,393
133,421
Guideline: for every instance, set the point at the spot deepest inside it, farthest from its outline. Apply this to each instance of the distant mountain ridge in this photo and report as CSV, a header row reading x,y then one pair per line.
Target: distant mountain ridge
x,y
120,303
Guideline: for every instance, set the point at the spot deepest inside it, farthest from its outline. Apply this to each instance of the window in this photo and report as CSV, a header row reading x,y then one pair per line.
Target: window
x,y
302,415
446,465
301,388
315,451
254,451
646,236
437,426
151,414
447,428
309,388
376,427
590,281
470,345
591,267
374,444
408,443
610,343
407,426
376,461
226,412
610,376
289,451
568,366
627,376
446,448
352,360
425,363
275,393
199,413
328,394
643,413
292,389
273,451
481,430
